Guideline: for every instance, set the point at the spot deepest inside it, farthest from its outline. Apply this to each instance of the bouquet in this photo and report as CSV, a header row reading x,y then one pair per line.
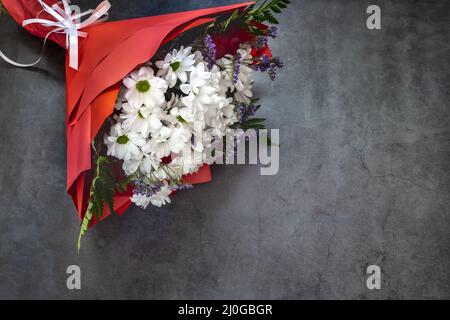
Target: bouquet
x,y
152,102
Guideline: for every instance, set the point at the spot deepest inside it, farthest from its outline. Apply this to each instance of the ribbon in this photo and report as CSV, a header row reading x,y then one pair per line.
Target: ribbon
x,y
67,22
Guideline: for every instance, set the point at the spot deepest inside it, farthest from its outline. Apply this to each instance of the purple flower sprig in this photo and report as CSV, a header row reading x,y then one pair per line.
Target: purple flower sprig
x,y
271,65
143,188
272,32
244,111
261,42
237,67
209,51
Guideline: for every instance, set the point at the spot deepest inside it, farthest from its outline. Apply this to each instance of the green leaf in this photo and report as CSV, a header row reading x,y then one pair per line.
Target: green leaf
x,y
2,9
256,31
254,126
101,192
263,12
122,185
276,9
225,24
270,18
85,224
181,119
254,123
255,120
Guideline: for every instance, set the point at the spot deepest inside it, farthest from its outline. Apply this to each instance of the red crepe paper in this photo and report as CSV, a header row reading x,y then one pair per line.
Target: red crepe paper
x,y
106,56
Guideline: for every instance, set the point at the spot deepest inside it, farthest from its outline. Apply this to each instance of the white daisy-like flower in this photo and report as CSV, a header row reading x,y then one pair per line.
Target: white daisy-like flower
x,y
167,140
199,77
198,57
124,144
220,80
131,166
144,88
160,174
173,107
150,162
140,200
175,65
143,119
189,162
220,115
174,102
162,196
243,84
199,92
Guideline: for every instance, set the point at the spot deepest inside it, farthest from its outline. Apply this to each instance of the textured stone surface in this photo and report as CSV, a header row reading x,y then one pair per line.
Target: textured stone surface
x,y
364,175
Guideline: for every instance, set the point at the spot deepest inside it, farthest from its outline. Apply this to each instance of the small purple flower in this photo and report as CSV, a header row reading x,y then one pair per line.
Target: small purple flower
x,y
261,42
272,73
241,112
264,63
277,62
272,32
237,67
142,188
209,51
271,65
244,111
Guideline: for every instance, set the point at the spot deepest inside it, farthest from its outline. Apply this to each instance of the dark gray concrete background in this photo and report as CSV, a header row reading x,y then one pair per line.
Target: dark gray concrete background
x,y
364,176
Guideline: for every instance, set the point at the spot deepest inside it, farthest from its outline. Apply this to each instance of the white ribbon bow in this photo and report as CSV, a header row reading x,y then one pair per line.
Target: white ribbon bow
x,y
67,22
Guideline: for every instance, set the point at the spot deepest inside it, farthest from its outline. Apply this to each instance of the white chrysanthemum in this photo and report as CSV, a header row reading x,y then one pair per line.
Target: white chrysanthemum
x,y
220,80
140,200
198,91
131,166
160,174
173,107
198,57
189,162
145,88
123,144
143,119
167,140
198,78
175,65
162,196
243,84
174,102
220,115
149,163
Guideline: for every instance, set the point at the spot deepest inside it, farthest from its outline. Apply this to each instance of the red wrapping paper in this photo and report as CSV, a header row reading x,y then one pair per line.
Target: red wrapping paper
x,y
106,56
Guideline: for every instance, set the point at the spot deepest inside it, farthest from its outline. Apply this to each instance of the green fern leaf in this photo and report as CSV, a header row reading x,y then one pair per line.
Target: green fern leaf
x,y
275,9
85,224
102,191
